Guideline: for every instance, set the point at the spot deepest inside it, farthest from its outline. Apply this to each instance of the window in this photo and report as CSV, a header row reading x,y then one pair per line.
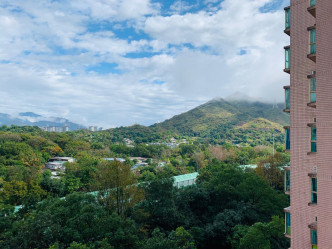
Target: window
x,y
287,180
287,58
314,239
313,90
314,190
287,13
313,139
287,98
312,3
288,223
313,41
287,139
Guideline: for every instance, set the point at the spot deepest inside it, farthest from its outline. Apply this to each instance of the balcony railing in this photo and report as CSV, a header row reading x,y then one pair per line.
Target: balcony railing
x,y
313,139
287,180
312,7
312,3
287,20
313,90
288,224
287,59
314,239
314,190
313,41
312,93
287,138
287,99
312,44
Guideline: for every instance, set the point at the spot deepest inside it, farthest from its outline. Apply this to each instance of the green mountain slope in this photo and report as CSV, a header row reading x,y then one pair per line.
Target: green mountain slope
x,y
235,121
217,122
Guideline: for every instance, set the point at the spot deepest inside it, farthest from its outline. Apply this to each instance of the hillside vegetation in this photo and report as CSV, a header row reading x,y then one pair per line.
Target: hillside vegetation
x,y
239,122
230,206
215,122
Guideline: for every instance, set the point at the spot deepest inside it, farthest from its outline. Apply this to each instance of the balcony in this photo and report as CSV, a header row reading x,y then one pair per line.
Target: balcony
x,y
313,190
312,8
287,59
314,239
287,138
287,99
287,181
312,45
287,20
313,91
313,142
313,234
312,98
287,222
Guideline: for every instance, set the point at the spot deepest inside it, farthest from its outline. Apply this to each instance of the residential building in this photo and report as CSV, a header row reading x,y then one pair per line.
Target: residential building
x,y
55,128
93,128
58,163
185,180
308,179
119,159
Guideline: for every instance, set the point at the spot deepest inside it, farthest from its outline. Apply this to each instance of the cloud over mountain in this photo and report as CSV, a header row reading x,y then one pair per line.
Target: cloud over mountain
x,y
122,62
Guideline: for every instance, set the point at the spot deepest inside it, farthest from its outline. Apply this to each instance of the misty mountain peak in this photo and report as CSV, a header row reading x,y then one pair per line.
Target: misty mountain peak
x,y
29,114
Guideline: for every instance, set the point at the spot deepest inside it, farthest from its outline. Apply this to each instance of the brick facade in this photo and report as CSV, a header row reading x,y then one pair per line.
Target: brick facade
x,y
303,163
324,122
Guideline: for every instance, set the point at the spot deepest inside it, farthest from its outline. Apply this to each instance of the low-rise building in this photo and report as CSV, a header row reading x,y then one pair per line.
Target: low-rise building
x,y
57,163
185,180
121,160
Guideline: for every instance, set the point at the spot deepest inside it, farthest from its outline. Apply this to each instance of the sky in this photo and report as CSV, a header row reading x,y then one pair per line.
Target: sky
x,y
122,62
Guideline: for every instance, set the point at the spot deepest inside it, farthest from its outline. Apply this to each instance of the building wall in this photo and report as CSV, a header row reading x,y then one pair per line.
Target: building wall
x,y
300,115
324,122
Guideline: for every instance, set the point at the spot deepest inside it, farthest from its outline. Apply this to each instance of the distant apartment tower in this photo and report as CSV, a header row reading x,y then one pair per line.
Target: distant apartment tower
x,y
93,128
308,99
55,128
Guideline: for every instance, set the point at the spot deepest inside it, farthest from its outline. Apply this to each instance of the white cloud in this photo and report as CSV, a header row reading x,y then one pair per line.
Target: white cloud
x,y
115,9
181,6
237,26
193,56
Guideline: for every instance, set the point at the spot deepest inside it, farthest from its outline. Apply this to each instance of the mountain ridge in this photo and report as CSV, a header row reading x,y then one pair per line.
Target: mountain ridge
x,y
216,121
33,119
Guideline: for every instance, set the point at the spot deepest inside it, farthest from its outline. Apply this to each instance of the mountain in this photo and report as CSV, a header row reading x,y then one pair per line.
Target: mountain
x,y
217,121
29,114
33,119
220,112
236,121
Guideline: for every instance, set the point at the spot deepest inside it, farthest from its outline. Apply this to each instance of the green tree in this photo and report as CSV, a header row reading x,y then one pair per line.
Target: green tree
x,y
75,245
117,186
182,238
14,192
178,239
160,204
78,218
260,235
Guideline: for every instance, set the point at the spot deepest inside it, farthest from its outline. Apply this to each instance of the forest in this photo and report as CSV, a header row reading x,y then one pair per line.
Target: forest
x,y
97,203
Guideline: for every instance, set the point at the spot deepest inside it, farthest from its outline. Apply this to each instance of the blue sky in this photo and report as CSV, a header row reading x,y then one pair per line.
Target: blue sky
x,y
120,62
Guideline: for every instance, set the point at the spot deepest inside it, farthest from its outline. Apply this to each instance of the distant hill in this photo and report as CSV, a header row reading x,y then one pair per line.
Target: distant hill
x,y
217,121
33,119
29,114
236,121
